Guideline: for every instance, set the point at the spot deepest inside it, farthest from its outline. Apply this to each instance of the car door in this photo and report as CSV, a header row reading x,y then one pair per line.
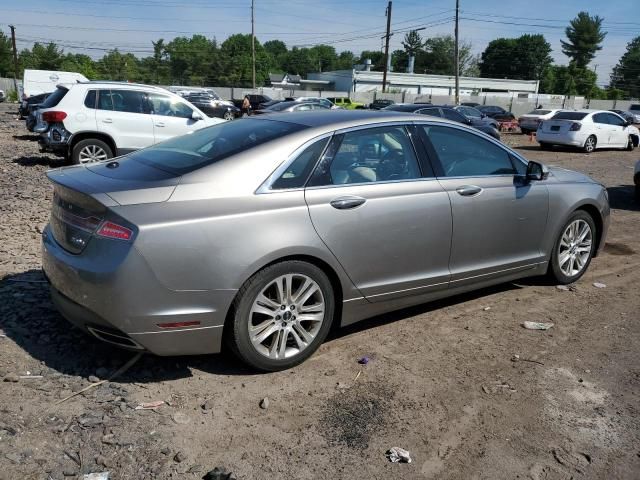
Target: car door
x,y
603,129
122,114
499,219
619,134
385,217
171,117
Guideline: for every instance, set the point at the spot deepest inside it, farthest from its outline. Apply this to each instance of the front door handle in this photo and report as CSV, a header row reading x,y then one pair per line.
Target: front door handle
x,y
468,190
345,203
107,120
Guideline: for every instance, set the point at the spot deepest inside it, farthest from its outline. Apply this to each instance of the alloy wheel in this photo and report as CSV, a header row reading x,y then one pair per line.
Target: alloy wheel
x,y
590,145
575,248
228,116
286,316
92,153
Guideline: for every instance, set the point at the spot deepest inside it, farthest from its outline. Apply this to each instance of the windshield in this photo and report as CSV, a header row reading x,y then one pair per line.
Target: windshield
x,y
539,112
569,116
53,99
203,147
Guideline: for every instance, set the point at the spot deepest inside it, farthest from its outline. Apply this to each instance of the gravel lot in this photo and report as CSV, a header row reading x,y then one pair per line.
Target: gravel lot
x,y
442,381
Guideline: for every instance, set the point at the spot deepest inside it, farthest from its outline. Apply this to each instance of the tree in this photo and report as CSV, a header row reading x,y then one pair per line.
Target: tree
x,y
439,57
6,56
412,43
626,74
236,63
376,57
526,57
345,61
41,57
584,35
79,63
117,66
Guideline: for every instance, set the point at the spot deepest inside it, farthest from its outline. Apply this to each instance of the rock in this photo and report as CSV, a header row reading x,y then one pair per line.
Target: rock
x,y
14,457
11,377
69,473
109,439
208,405
165,451
219,473
537,325
102,461
179,457
264,403
180,418
93,379
599,285
564,288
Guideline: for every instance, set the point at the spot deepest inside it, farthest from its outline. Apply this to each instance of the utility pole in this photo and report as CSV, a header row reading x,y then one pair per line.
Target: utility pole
x,y
15,58
457,55
386,48
253,44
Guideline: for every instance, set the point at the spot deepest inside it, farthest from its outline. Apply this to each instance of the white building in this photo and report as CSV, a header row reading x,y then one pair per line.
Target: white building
x,y
368,81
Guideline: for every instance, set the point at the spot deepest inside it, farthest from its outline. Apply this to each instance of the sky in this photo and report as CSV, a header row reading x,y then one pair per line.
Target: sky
x,y
93,26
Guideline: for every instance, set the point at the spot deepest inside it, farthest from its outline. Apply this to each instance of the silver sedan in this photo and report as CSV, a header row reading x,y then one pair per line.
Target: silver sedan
x,y
267,231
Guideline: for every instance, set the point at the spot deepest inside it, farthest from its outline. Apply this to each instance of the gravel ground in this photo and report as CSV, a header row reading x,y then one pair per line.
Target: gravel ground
x,y
441,382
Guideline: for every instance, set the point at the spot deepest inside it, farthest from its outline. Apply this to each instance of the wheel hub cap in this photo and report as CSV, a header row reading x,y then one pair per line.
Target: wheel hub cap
x,y
575,248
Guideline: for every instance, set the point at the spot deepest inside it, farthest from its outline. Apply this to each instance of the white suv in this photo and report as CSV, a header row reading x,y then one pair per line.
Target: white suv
x,y
93,121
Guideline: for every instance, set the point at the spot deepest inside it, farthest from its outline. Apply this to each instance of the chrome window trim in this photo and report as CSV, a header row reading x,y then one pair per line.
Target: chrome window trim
x,y
480,134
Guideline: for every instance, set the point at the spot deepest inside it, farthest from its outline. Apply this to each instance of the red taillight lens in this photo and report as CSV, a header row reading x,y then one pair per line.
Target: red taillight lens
x,y
113,230
53,117
575,126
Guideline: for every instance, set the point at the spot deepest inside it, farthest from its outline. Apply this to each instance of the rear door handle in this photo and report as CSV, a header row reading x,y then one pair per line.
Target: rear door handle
x,y
107,120
468,190
345,203
160,124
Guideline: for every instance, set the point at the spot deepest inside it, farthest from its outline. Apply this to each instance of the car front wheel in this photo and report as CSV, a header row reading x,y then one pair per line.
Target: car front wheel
x,y
574,248
281,315
630,144
228,116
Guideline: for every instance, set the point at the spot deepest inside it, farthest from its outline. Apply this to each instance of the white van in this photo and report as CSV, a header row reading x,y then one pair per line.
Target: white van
x,y
36,82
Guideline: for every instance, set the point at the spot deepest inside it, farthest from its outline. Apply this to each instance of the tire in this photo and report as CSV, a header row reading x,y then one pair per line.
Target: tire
x,y
562,269
83,150
590,144
278,316
546,146
228,116
630,144
524,131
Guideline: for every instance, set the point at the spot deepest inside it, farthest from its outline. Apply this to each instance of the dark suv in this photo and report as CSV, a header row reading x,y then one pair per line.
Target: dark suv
x,y
257,101
212,105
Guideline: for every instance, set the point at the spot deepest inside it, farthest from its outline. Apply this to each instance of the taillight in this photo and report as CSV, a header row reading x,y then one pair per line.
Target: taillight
x,y
53,117
575,126
113,230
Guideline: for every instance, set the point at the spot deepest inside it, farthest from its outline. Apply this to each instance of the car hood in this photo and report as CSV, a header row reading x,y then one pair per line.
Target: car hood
x,y
130,182
566,176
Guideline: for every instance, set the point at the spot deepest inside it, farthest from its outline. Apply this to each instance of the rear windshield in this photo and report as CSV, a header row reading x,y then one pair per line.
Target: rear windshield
x,y
203,147
539,112
54,99
412,107
635,107
569,116
281,106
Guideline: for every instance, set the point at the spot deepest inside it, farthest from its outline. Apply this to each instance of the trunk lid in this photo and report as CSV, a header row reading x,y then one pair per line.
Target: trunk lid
x,y
557,126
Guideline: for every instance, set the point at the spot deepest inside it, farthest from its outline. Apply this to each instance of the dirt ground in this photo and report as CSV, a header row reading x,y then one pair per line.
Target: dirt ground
x,y
441,382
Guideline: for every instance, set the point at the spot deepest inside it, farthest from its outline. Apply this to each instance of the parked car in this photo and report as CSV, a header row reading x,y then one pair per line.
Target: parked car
x,y
30,104
292,106
636,179
442,111
381,103
476,116
2,96
496,112
93,121
634,108
321,100
148,252
257,101
346,103
471,104
628,116
529,123
587,129
212,106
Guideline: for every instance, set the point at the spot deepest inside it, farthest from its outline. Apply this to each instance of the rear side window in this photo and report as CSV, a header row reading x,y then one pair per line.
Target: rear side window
x,y
299,170
464,154
90,99
105,102
569,116
434,112
601,118
130,101
54,99
203,147
453,115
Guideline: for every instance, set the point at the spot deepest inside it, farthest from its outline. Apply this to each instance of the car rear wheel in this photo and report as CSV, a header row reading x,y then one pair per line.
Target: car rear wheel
x,y
574,248
228,116
90,150
281,315
590,144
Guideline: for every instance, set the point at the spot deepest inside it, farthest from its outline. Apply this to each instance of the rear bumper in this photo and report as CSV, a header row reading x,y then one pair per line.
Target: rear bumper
x,y
120,301
574,139
55,139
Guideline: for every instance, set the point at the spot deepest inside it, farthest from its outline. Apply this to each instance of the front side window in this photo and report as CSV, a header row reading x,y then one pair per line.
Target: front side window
x,y
167,106
465,154
471,112
296,174
129,101
365,156
615,120
434,112
453,115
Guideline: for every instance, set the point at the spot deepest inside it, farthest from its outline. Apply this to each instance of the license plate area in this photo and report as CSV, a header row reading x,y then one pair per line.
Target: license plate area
x,y
555,128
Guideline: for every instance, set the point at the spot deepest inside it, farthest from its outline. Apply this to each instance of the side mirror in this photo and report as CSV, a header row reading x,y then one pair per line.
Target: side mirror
x,y
196,116
537,171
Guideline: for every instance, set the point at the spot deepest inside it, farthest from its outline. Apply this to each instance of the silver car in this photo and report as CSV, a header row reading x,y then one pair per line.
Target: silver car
x,y
267,231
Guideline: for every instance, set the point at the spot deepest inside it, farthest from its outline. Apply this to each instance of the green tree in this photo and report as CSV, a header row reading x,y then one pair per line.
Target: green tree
x,y
6,56
376,57
323,57
277,49
439,57
346,60
299,61
412,42
526,57
626,74
79,63
235,62
41,57
584,35
117,66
